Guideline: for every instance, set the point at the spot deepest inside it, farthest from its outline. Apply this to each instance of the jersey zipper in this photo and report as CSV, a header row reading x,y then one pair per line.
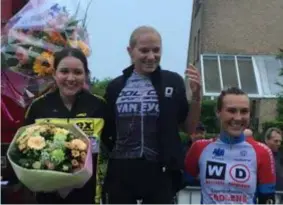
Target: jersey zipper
x,y
142,129
230,142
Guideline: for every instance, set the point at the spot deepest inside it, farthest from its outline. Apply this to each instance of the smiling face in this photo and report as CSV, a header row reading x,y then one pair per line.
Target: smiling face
x,y
146,51
70,76
234,114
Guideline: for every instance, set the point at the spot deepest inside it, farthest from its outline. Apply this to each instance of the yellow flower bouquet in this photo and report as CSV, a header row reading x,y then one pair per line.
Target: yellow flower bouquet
x,y
51,157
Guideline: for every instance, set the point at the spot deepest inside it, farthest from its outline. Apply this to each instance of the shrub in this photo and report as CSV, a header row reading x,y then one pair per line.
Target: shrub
x,y
208,116
274,123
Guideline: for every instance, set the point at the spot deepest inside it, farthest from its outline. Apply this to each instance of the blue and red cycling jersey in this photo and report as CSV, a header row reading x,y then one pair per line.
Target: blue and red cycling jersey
x,y
232,170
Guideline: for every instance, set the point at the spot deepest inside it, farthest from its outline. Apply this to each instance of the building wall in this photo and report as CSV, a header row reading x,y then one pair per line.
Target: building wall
x,y
239,27
195,42
267,111
242,26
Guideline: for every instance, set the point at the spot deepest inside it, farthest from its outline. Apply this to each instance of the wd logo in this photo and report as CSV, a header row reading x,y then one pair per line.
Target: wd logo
x,y
215,170
240,173
218,152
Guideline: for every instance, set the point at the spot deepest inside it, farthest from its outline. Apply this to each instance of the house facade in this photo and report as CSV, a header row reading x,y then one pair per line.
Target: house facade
x,y
235,43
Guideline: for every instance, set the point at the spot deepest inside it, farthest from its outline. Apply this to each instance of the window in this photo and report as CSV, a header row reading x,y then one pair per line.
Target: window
x,y
223,71
229,73
211,74
247,75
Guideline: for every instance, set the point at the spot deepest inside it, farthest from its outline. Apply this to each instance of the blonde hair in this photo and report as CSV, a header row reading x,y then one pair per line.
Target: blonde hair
x,y
139,31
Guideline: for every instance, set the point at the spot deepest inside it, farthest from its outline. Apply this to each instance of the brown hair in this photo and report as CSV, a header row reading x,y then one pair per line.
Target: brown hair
x,y
228,91
269,131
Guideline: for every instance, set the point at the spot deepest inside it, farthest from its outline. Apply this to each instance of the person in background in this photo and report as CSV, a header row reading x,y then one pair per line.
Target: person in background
x,y
249,134
147,105
70,102
273,139
199,133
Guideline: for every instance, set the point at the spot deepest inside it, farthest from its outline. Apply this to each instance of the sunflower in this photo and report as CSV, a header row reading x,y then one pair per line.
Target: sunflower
x,y
43,64
80,45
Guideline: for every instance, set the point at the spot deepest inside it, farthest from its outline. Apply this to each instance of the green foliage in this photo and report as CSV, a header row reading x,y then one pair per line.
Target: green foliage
x,y
98,87
280,54
184,137
274,123
208,119
208,116
259,137
210,135
280,109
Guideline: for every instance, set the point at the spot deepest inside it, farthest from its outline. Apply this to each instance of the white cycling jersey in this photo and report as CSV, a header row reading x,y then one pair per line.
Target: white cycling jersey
x,y
231,170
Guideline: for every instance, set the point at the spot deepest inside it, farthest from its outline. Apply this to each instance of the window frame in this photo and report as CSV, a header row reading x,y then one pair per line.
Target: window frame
x,y
255,69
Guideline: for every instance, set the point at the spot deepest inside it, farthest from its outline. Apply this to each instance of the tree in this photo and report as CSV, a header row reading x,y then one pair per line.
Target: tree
x,y
98,87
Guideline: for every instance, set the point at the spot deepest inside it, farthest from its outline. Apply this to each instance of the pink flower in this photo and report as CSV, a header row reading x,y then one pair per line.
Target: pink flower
x,y
22,55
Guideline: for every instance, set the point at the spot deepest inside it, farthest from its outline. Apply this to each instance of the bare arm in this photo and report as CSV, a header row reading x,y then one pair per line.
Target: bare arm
x,y
193,116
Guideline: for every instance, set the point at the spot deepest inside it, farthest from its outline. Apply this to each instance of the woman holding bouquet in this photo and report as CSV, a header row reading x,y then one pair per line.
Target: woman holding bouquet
x,y
70,102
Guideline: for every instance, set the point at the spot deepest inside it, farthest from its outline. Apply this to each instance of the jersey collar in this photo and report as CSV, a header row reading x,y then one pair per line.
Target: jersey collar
x,y
226,138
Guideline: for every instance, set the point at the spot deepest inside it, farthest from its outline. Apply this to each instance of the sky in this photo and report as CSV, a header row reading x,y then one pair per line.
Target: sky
x,y
111,22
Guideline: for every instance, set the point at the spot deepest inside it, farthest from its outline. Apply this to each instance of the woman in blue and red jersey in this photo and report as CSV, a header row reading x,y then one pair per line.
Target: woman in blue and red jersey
x,y
231,168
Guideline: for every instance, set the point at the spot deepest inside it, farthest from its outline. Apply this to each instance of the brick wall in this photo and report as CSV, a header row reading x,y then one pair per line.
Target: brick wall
x,y
267,111
242,26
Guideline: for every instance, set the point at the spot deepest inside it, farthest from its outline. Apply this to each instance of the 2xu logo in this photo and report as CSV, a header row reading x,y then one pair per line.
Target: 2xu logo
x,y
215,170
85,125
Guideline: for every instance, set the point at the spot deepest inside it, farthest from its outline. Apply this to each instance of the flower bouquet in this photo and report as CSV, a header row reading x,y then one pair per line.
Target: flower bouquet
x,y
41,28
51,157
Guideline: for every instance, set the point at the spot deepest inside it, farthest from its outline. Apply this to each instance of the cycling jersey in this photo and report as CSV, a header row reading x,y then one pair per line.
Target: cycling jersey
x,y
232,170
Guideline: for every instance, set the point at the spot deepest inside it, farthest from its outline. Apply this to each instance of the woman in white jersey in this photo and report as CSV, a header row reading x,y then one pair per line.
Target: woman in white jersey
x,y
231,168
